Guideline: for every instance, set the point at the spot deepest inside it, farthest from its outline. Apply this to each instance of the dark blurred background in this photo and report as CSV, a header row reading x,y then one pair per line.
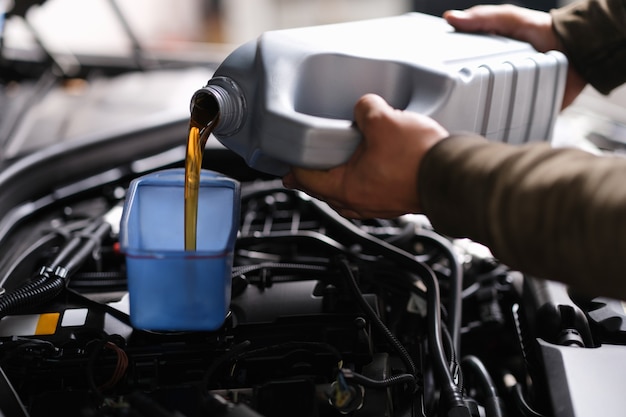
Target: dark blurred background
x,y
437,7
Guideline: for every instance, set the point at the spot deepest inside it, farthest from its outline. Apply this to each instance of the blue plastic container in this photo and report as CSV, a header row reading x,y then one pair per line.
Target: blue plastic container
x,y
171,289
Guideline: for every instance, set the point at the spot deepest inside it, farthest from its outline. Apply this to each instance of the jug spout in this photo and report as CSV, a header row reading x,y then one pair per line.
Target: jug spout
x,y
221,98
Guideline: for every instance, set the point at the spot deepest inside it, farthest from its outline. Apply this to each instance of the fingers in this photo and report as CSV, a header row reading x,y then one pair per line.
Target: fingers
x,y
532,26
489,19
325,186
317,184
332,185
519,23
380,178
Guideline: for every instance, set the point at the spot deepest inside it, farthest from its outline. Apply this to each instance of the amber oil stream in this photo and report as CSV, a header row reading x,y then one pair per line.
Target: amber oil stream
x,y
201,124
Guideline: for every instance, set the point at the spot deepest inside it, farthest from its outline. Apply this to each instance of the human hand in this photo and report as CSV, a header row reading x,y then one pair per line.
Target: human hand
x,y
380,179
519,23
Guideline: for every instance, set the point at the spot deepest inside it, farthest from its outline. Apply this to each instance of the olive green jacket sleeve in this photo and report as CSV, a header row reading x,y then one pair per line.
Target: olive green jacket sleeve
x,y
553,213
593,33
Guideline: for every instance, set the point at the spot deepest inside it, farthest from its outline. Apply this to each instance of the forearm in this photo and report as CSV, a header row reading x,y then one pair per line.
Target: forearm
x,y
553,213
593,34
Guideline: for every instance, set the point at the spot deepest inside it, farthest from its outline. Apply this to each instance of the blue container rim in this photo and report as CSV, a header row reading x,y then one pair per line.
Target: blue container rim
x,y
173,177
176,254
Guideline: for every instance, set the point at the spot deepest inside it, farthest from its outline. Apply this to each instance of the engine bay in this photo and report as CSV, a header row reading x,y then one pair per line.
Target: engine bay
x,y
328,317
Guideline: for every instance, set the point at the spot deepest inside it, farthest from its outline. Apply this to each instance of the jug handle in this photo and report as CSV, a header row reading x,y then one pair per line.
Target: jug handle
x,y
322,143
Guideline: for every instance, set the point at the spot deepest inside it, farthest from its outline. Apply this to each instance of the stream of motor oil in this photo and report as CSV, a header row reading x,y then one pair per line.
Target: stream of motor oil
x,y
196,141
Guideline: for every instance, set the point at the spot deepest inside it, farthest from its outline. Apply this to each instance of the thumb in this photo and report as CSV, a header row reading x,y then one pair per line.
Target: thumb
x,y
484,19
369,109
508,20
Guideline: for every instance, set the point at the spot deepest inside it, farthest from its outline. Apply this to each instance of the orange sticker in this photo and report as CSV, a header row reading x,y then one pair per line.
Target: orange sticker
x,y
47,323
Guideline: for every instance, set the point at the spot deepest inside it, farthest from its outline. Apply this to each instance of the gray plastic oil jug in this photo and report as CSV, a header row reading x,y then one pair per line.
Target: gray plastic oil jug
x,y
287,98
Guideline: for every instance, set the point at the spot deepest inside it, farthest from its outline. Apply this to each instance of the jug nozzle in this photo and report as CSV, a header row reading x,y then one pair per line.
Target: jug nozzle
x,y
223,99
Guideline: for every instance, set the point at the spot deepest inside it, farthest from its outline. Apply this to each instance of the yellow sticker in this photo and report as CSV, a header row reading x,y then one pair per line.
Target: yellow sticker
x,y
47,323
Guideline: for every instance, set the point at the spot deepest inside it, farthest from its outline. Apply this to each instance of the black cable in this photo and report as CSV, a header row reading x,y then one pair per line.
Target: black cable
x,y
384,383
92,241
67,249
411,378
479,369
456,285
45,286
452,356
376,321
32,254
52,279
522,404
451,394
493,405
97,306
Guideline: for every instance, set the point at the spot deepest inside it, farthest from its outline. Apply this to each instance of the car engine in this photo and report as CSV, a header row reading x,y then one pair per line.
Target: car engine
x,y
328,316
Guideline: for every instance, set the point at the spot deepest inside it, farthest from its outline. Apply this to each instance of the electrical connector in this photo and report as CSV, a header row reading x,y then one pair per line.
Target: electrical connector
x,y
344,396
